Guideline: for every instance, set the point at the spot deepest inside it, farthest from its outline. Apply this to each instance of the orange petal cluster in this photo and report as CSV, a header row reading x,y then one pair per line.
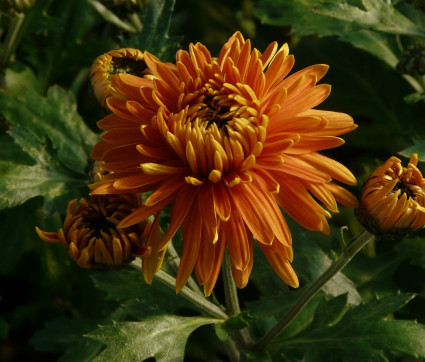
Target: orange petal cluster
x,y
91,236
393,199
226,141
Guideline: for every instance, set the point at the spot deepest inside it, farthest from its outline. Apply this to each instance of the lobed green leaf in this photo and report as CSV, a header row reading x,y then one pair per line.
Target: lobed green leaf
x,y
362,329
162,337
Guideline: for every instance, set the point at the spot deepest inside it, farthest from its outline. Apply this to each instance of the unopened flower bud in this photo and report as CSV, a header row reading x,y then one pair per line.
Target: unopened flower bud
x,y
393,199
91,235
126,60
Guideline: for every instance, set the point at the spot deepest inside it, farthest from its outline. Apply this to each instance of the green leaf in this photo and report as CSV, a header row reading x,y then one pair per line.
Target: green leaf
x,y
414,249
54,117
66,335
378,15
371,29
380,45
300,15
362,329
128,284
47,177
311,261
62,38
154,36
162,337
363,87
374,276
329,312
417,147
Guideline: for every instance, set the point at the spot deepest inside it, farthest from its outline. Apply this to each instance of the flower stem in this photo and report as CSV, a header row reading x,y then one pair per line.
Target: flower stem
x,y
11,40
190,295
243,338
231,294
347,254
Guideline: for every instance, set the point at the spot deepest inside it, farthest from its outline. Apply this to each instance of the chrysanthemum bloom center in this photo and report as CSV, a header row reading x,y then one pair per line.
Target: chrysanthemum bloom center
x,y
407,189
214,127
97,222
127,65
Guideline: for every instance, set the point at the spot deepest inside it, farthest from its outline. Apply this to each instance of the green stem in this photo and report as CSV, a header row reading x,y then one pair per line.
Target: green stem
x,y
302,301
230,292
11,40
232,350
190,295
243,338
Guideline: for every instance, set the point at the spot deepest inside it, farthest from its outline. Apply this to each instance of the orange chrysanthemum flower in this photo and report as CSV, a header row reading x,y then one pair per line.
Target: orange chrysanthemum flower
x,y
393,199
91,236
225,141
126,60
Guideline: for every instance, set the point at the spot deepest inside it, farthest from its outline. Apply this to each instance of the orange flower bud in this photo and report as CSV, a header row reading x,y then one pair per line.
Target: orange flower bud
x,y
91,235
393,199
126,60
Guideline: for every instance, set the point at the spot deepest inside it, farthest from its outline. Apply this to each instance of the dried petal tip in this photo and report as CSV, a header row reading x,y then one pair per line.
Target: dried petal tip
x,y
126,60
91,235
393,199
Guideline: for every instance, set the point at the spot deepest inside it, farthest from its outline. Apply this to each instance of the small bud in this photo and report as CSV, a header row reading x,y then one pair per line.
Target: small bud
x,y
393,199
126,60
91,236
412,60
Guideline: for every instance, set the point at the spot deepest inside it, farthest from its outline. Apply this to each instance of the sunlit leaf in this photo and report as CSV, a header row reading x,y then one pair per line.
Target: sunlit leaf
x,y
163,337
379,15
54,117
46,177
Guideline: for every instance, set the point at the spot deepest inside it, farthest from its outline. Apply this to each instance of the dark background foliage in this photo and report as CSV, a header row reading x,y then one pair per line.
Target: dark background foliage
x,y
47,128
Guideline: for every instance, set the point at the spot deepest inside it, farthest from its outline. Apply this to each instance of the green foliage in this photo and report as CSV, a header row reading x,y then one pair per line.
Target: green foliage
x,y
361,333
312,261
162,337
47,131
55,117
128,284
65,335
414,250
418,147
154,36
47,177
